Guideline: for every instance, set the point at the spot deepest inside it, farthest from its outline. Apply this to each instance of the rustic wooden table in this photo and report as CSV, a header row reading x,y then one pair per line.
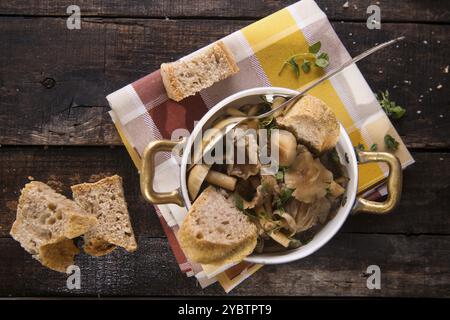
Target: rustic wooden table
x,y
54,127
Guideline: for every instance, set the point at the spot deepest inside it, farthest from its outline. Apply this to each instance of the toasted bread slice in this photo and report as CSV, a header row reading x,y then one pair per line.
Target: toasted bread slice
x,y
45,218
58,256
105,200
313,123
186,77
215,231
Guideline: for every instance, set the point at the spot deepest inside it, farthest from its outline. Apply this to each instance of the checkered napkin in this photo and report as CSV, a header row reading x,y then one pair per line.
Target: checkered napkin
x,y
142,111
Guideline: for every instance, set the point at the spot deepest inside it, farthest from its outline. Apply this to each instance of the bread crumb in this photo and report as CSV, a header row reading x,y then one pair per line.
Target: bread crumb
x,y
12,205
345,5
446,69
350,34
380,71
419,111
439,86
442,159
99,176
425,42
441,116
31,178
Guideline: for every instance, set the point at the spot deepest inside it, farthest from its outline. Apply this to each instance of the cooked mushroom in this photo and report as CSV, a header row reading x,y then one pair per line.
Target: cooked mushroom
x,y
221,180
287,146
235,112
277,101
196,177
288,221
310,179
201,172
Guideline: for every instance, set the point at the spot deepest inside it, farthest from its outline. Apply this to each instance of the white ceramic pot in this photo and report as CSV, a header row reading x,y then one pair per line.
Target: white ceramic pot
x,y
344,148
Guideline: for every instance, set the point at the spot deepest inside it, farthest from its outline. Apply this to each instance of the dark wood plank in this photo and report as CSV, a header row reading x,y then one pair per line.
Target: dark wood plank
x,y
430,11
410,266
63,167
53,81
423,209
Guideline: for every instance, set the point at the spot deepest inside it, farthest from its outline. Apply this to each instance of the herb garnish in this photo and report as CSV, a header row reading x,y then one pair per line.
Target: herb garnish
x,y
321,60
374,147
284,196
280,176
390,142
239,202
392,110
267,123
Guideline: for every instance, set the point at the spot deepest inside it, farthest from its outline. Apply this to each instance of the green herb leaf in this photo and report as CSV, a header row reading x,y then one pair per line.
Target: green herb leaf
x,y
334,156
374,147
284,196
294,67
306,66
238,201
360,147
390,142
280,176
314,48
267,123
390,108
294,243
322,60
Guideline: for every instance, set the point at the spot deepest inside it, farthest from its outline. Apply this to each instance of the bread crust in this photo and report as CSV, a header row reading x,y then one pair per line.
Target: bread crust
x,y
313,123
170,82
202,250
104,237
173,85
229,56
46,221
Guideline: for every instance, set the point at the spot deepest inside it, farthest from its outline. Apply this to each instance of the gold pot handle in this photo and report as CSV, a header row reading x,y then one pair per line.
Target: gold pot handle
x,y
394,183
148,174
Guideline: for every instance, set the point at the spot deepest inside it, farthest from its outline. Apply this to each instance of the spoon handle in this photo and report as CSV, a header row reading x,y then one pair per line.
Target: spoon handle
x,y
329,75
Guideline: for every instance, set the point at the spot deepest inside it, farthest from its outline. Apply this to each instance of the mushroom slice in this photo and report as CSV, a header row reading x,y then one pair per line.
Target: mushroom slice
x,y
308,177
221,180
270,184
288,222
307,215
251,165
201,172
336,190
257,200
280,237
286,144
196,177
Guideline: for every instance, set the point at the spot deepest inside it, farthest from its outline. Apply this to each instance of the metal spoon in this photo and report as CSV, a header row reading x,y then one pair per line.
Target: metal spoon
x,y
294,99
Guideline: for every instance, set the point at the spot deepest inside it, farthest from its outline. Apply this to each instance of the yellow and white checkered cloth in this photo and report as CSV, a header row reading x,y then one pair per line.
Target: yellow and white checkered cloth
x,y
142,111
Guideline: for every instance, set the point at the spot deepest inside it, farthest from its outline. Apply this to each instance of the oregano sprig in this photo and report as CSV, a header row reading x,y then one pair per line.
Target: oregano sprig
x,y
320,60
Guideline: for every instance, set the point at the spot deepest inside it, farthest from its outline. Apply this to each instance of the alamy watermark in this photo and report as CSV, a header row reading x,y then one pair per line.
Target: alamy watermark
x,y
238,146
74,20
74,279
374,279
374,20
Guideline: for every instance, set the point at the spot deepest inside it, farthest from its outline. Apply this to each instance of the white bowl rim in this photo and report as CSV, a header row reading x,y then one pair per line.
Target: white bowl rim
x,y
329,229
